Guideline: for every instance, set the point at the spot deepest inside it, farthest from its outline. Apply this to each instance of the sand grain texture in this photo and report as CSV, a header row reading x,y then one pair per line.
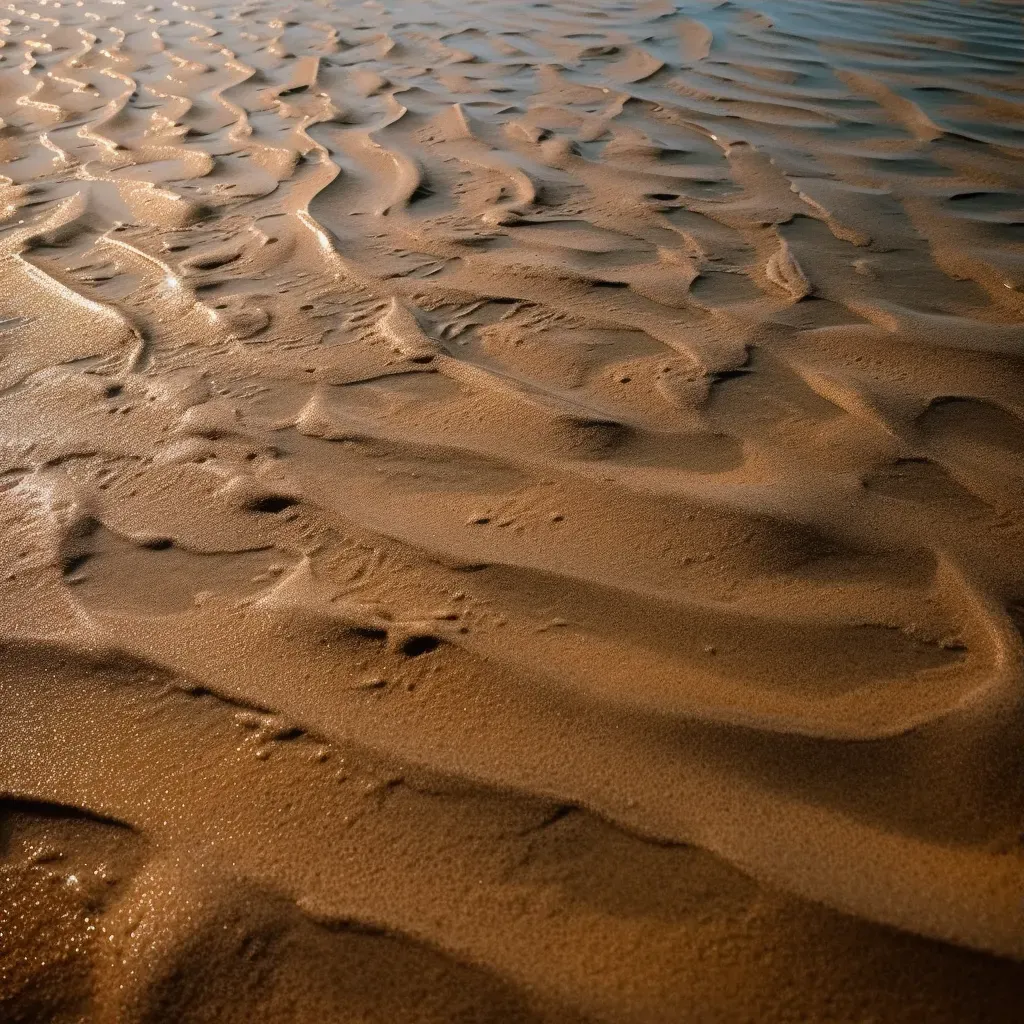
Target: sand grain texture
x,y
512,512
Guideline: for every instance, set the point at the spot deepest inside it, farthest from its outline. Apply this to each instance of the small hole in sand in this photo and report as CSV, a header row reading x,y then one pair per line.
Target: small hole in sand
x,y
417,645
272,503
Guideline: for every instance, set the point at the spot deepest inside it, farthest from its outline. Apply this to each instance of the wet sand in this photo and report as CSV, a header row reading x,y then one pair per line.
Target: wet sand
x,y
512,512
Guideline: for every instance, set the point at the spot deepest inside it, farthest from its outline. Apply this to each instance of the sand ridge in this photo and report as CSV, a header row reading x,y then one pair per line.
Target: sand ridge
x,y
522,503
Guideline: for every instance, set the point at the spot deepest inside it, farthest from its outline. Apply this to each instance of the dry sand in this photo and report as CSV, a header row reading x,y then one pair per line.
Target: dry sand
x,y
512,511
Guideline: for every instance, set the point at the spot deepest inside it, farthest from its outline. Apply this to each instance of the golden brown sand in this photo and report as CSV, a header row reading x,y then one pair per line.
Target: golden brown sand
x,y
512,511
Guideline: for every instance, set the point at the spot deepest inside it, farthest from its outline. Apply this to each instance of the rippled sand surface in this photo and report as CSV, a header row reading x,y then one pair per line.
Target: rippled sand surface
x,y
512,512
